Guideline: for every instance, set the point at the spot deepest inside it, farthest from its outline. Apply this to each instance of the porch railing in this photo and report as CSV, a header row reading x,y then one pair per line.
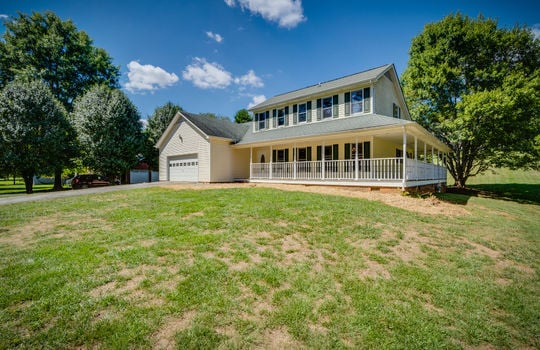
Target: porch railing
x,y
368,169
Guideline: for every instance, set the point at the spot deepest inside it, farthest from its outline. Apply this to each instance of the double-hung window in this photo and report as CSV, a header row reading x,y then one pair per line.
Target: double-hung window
x,y
262,120
302,113
281,117
357,105
327,107
360,101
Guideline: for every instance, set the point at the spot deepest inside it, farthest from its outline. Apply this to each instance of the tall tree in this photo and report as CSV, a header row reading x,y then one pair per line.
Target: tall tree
x,y
477,87
242,116
157,123
160,120
42,46
33,128
109,131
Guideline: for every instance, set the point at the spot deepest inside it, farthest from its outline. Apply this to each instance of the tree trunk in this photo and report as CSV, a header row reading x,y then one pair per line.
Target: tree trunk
x,y
14,180
58,180
28,182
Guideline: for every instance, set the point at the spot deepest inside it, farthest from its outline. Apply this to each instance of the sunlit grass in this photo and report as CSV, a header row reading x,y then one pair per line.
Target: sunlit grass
x,y
255,267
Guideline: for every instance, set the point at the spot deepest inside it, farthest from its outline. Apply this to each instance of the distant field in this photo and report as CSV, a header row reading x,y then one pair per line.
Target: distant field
x,y
264,268
8,188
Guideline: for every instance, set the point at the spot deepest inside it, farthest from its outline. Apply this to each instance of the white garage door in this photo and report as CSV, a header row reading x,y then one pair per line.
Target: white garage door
x,y
184,168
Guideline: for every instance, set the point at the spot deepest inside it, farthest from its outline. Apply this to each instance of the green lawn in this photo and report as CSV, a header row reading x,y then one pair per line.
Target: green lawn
x,y
8,188
263,268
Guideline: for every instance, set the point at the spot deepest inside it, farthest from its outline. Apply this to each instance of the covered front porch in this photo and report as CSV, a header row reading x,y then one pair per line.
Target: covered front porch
x,y
383,159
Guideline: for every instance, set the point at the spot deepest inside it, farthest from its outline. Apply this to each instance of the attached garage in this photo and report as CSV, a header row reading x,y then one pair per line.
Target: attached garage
x,y
197,148
184,168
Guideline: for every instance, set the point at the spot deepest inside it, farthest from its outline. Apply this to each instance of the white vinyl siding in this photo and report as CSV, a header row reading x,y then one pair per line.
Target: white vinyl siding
x,y
184,140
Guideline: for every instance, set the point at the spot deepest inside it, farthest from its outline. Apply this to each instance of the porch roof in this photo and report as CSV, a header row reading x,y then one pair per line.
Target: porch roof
x,y
322,128
366,123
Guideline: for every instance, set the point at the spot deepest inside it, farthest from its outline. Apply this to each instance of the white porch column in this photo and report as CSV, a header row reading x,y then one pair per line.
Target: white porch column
x,y
415,148
433,172
295,150
322,161
271,161
425,152
356,160
250,162
404,159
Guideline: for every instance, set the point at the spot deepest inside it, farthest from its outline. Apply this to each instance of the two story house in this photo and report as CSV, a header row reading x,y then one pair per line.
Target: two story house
x,y
352,131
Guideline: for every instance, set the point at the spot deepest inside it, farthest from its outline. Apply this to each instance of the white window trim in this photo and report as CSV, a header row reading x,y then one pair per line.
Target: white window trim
x,y
298,113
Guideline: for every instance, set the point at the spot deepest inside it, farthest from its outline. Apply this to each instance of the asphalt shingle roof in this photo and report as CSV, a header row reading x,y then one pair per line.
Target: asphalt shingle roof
x,y
366,76
322,128
218,127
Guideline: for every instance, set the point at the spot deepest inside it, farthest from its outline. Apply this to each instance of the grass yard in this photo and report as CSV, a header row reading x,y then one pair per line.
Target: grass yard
x,y
264,268
8,188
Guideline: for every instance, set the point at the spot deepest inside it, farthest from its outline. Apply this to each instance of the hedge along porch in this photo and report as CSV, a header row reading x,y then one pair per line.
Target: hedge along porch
x,y
373,158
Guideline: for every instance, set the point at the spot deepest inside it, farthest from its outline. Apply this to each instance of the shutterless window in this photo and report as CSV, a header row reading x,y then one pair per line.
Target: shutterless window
x,y
281,117
396,111
327,107
302,113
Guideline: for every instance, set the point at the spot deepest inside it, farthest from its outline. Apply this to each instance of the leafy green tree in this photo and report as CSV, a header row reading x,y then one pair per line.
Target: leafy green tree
x,y
477,88
42,46
33,129
109,131
242,116
157,123
160,120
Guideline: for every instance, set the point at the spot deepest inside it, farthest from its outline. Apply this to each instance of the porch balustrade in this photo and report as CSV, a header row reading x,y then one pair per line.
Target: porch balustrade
x,y
390,169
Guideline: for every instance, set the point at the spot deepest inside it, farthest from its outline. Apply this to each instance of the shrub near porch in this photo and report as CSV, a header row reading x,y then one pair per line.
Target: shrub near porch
x,y
257,267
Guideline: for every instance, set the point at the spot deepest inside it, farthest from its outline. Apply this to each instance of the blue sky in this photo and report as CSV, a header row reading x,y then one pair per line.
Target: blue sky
x,y
222,55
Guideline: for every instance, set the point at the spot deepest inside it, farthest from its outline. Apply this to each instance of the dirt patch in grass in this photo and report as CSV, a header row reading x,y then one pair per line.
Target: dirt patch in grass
x,y
430,205
164,337
278,338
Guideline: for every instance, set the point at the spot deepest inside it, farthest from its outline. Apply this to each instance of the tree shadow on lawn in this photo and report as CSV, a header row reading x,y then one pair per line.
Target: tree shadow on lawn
x,y
519,193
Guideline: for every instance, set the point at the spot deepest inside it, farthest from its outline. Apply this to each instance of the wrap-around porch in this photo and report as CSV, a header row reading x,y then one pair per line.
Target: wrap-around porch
x,y
364,161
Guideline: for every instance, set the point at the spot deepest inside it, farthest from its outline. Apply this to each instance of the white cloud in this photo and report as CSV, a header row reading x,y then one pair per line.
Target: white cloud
x,y
249,79
218,38
207,75
256,100
144,123
3,16
287,13
536,30
148,78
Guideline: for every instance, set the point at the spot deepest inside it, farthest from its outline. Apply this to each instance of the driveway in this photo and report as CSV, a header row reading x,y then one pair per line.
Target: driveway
x,y
71,193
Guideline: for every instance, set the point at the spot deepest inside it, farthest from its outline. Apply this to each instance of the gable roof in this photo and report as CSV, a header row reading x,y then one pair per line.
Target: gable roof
x,y
210,127
322,128
349,80
218,127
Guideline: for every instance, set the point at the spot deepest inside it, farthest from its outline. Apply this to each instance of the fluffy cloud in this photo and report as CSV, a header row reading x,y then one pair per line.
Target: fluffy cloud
x,y
249,79
3,16
218,38
536,30
287,13
148,78
256,100
207,75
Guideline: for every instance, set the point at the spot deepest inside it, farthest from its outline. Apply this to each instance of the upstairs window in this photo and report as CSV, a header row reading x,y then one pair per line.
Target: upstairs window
x,y
327,107
360,101
302,113
281,117
396,111
262,120
357,101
